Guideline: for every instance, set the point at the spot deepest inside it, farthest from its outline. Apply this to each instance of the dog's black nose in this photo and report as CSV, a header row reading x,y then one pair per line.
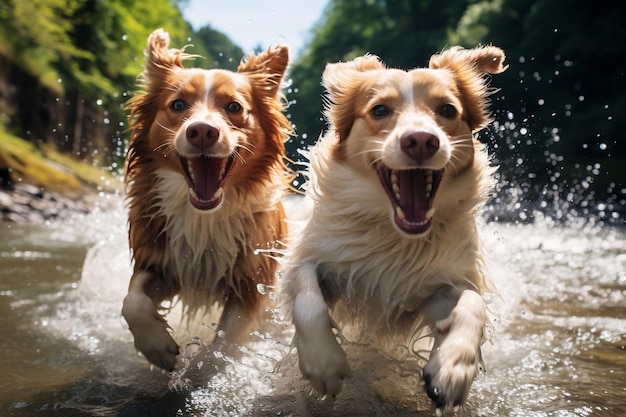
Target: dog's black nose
x,y
202,135
419,145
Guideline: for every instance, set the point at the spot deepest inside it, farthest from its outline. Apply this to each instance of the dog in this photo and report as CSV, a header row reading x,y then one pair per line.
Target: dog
x,y
204,177
392,240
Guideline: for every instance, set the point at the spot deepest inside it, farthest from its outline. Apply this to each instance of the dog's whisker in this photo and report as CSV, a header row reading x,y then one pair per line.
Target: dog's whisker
x,y
238,155
166,149
162,126
247,149
375,161
366,151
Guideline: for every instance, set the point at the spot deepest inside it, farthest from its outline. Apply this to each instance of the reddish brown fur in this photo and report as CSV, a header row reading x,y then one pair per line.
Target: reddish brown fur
x,y
258,170
468,65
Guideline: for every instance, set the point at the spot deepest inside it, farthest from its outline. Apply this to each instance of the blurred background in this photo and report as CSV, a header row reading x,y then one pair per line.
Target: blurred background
x,y
67,68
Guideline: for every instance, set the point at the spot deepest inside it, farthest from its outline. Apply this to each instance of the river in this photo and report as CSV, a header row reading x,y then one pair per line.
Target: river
x,y
559,350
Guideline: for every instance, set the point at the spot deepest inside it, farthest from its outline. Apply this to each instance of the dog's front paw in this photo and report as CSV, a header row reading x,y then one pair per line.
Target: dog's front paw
x,y
323,363
157,345
149,329
450,371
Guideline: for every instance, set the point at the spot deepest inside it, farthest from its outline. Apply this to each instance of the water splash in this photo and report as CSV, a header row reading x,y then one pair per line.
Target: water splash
x,y
563,290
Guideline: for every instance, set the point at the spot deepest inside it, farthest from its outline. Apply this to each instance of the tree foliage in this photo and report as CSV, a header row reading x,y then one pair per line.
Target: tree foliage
x,y
403,33
70,65
67,67
559,102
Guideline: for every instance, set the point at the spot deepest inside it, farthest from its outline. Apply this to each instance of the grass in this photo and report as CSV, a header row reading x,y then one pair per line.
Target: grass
x,y
51,170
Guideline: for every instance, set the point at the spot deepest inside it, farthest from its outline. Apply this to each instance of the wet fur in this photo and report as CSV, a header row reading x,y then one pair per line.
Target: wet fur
x,y
351,255
205,257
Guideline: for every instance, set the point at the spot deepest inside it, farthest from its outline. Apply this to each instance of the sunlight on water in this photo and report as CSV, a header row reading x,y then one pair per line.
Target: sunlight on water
x,y
558,349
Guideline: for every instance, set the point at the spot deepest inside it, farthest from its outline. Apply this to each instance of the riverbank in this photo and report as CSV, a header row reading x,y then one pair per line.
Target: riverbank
x,y
39,184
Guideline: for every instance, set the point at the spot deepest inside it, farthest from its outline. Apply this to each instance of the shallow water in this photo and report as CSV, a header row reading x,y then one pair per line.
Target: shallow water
x,y
560,349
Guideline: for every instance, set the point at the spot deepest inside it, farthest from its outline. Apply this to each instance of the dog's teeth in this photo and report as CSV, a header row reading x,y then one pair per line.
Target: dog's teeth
x,y
400,213
217,195
396,189
430,213
428,186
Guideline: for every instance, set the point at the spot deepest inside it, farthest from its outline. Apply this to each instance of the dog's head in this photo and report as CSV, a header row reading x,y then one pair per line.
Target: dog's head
x,y
411,128
206,124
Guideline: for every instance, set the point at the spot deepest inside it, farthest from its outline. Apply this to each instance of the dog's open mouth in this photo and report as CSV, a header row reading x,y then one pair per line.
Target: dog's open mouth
x,y
205,177
411,193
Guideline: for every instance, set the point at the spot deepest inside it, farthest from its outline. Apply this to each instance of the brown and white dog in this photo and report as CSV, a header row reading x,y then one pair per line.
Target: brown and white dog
x,y
396,185
205,174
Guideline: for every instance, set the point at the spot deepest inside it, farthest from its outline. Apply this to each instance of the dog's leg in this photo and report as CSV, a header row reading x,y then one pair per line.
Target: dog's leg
x,y
322,361
235,323
147,325
459,318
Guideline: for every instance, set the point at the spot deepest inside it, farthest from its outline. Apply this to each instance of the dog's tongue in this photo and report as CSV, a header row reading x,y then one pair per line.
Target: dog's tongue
x,y
206,176
411,193
413,196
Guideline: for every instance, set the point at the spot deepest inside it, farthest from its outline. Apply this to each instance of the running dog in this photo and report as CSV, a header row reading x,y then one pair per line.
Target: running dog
x,y
205,174
396,185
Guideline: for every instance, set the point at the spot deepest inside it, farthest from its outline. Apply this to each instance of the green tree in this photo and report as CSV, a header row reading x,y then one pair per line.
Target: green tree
x,y
403,33
563,90
70,65
221,51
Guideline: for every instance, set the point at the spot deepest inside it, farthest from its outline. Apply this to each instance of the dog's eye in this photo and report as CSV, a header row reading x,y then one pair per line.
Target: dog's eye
x,y
380,110
234,107
448,111
178,105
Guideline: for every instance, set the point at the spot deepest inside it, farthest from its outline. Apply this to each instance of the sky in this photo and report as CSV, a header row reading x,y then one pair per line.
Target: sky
x,y
250,23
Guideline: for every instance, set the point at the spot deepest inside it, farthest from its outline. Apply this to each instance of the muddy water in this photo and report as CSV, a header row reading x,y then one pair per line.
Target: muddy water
x,y
560,348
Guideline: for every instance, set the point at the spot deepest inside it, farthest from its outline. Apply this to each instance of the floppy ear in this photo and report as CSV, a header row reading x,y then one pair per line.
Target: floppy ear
x,y
265,72
341,81
267,68
158,55
469,67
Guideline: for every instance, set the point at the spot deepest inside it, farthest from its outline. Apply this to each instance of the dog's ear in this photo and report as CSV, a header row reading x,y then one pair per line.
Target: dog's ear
x,y
469,67
483,59
158,55
267,68
341,81
265,72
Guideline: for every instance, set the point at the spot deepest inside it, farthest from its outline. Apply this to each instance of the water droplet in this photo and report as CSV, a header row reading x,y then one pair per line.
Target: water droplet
x,y
261,288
